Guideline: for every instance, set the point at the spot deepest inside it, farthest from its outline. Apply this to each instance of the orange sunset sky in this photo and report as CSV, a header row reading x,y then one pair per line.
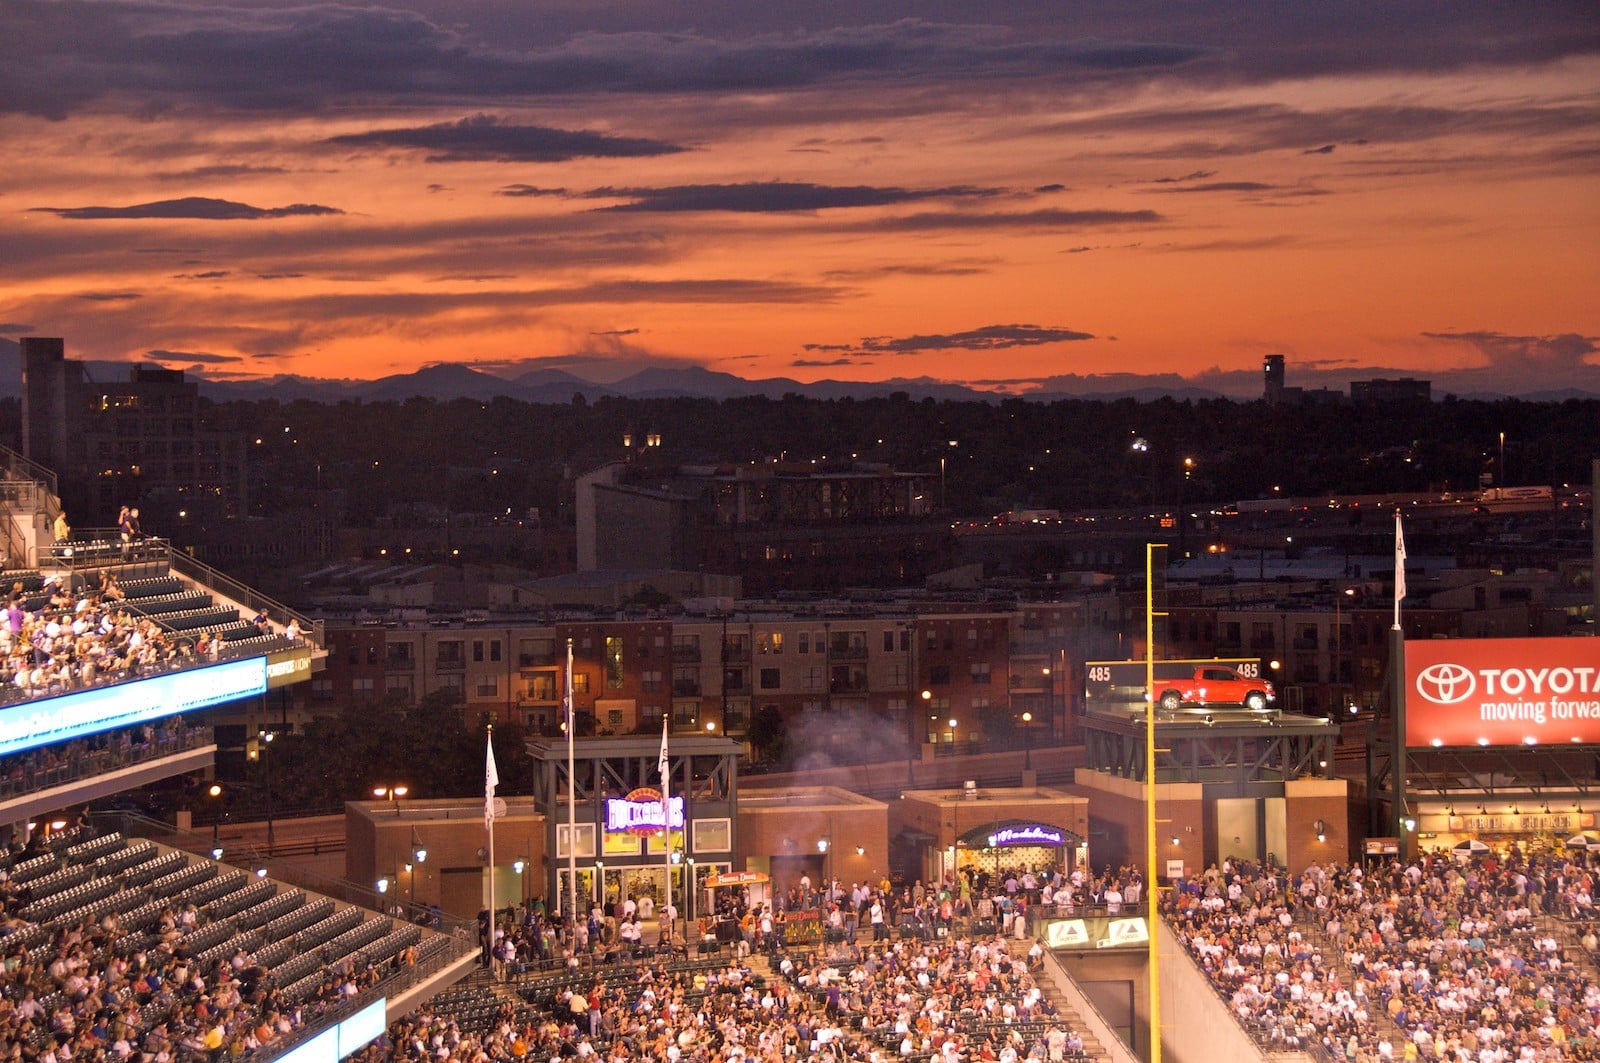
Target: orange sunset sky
x,y
1016,196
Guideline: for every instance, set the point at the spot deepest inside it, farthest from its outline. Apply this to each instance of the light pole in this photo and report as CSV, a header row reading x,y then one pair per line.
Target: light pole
x,y
823,845
1338,641
392,794
266,764
1027,741
419,856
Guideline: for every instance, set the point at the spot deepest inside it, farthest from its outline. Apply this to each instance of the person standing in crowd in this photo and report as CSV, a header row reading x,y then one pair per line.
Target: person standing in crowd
x,y
63,530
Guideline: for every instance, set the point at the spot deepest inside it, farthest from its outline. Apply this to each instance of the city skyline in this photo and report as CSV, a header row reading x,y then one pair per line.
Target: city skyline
x,y
1034,201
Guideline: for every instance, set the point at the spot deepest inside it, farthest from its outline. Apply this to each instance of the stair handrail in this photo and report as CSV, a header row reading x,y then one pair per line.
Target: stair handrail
x,y
1093,1019
18,467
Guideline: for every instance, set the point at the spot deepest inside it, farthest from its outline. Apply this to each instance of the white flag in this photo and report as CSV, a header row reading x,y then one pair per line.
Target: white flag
x,y
491,779
1399,561
662,763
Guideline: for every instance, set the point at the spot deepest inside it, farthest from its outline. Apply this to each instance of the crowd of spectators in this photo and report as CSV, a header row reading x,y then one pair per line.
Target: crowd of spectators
x,y
963,997
1445,960
93,754
98,992
63,637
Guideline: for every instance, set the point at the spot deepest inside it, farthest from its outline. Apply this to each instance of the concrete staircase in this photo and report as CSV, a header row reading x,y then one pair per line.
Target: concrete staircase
x,y
1068,1014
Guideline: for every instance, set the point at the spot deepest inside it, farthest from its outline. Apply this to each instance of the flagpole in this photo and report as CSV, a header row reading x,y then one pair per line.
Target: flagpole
x,y
572,802
492,779
666,797
1397,696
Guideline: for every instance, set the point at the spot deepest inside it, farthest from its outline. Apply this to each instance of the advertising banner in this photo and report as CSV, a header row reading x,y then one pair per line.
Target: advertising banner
x,y
1502,692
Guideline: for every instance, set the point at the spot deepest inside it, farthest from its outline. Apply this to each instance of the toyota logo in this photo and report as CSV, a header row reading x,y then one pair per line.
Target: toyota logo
x,y
1446,684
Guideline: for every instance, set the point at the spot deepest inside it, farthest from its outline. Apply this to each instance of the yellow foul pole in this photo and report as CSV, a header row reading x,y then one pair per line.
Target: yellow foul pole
x,y
1151,893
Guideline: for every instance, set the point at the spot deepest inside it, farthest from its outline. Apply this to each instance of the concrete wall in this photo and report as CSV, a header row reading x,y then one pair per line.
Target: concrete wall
x,y
1196,1026
1119,809
1117,1051
1308,801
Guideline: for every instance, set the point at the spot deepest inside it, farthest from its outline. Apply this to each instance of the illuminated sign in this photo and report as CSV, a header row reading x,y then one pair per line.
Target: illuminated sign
x,y
641,812
288,666
1502,692
31,724
1121,932
1066,934
1032,834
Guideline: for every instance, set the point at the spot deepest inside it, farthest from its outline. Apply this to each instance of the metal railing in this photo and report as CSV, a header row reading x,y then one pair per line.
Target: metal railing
x,y
23,776
17,467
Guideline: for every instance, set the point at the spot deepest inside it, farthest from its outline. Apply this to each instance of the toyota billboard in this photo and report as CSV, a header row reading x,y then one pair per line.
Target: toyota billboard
x,y
1501,692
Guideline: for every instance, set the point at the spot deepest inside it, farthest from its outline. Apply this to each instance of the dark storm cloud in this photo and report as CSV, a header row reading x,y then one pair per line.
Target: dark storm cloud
x,y
774,197
485,138
198,357
987,338
1326,149
615,332
525,191
110,297
15,327
190,207
209,275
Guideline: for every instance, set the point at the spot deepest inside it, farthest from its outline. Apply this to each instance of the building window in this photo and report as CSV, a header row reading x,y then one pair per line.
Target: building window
x,y
322,690
888,640
477,651
769,679
613,718
805,642
494,649
650,679
489,687
769,642
580,682
451,652
614,663
399,685
684,713
453,684
980,672
939,675
362,685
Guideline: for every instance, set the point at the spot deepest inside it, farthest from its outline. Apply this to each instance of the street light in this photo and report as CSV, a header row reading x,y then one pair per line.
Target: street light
x,y
392,794
823,845
1027,740
1338,638
266,738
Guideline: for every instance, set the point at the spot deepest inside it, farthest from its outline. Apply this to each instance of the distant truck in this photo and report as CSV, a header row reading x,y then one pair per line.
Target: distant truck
x,y
1209,686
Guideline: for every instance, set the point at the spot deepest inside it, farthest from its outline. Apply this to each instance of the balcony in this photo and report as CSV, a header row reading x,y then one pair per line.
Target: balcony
x,y
686,688
844,651
686,654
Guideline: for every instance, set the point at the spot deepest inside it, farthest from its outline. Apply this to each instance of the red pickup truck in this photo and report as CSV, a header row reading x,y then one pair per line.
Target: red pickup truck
x,y
1213,685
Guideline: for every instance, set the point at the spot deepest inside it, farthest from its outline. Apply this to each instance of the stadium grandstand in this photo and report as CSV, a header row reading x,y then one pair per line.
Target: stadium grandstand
x,y
125,938
1478,959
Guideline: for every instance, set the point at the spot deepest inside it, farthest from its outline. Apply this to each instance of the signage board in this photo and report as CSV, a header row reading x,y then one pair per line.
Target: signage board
x,y
1502,692
642,812
288,666
1383,847
43,721
1118,687
1028,834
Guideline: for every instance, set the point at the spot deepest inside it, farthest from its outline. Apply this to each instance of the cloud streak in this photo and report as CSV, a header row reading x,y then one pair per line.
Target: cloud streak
x,y
486,138
190,207
774,197
986,338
